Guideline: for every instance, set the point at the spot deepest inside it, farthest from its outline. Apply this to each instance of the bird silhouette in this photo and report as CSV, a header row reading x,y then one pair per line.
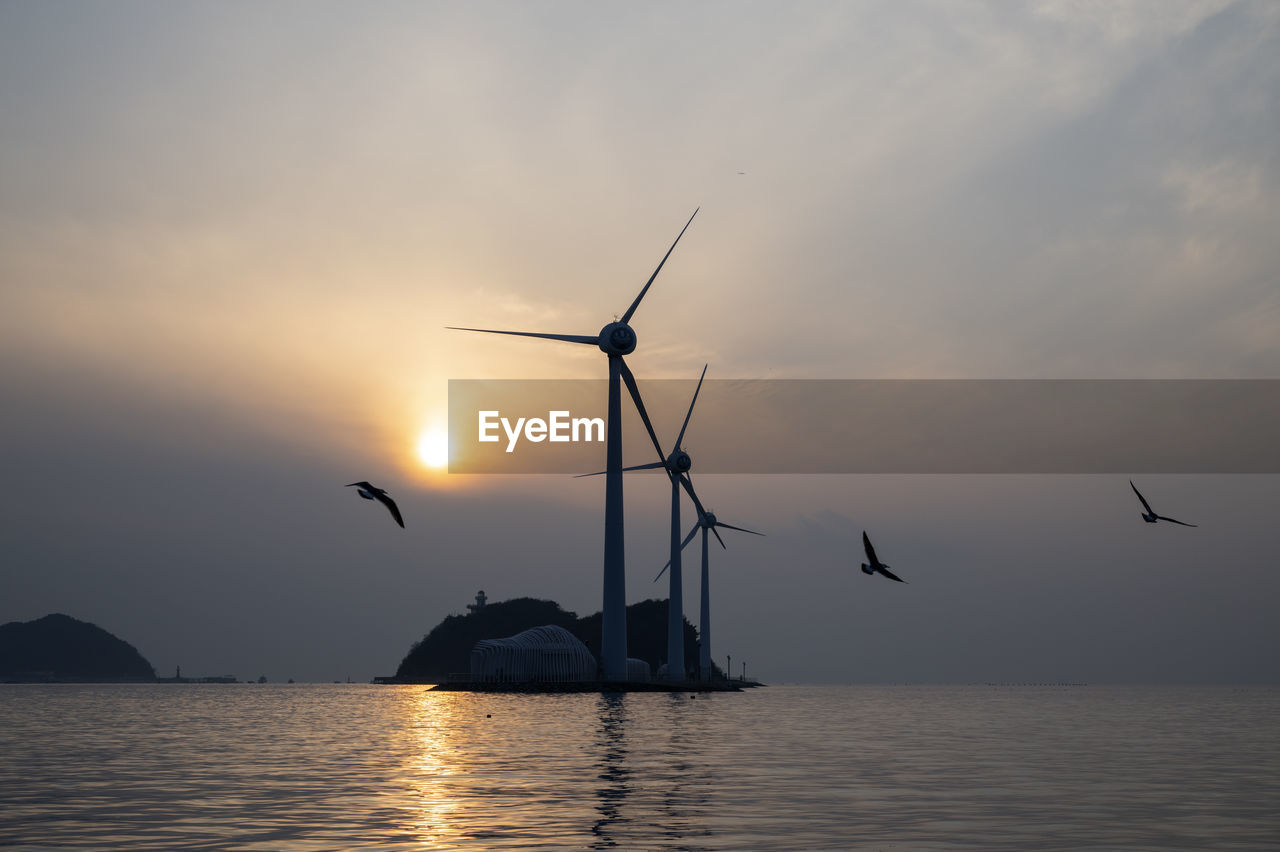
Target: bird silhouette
x,y
876,565
372,492
1151,517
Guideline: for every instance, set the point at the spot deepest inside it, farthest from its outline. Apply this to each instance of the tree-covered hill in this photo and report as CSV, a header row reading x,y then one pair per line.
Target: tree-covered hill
x,y
447,648
61,648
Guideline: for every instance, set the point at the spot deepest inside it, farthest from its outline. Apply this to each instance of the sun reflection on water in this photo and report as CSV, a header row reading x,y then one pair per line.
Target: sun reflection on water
x,y
434,759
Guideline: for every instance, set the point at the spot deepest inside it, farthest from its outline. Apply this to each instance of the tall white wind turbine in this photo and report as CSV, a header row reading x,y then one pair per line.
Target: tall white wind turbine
x,y
706,522
616,340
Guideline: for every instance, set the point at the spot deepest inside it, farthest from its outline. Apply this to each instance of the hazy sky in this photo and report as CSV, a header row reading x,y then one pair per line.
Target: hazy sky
x,y
231,235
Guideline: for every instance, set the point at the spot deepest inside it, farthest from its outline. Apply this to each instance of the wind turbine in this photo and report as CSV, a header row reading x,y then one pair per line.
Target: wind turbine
x,y
706,521
615,340
677,464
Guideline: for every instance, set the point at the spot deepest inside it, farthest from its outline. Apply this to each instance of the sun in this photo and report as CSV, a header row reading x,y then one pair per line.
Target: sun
x,y
433,448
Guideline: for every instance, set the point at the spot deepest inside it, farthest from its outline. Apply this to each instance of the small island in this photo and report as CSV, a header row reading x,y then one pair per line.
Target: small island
x,y
444,656
60,649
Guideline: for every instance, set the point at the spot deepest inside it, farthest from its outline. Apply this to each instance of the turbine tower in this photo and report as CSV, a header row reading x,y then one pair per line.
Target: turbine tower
x,y
616,340
677,464
706,521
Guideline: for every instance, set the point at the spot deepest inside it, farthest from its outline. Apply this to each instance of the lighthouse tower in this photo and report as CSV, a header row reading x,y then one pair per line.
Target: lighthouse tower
x,y
479,604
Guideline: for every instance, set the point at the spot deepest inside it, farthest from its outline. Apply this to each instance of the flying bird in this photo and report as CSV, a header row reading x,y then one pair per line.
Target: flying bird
x,y
876,564
372,492
1150,516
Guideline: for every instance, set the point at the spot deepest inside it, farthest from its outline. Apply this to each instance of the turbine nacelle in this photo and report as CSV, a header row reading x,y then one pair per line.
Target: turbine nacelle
x,y
709,519
617,338
679,462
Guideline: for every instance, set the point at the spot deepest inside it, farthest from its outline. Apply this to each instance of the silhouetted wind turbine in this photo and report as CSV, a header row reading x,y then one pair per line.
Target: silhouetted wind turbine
x,y
373,492
706,521
1150,516
677,463
876,565
616,340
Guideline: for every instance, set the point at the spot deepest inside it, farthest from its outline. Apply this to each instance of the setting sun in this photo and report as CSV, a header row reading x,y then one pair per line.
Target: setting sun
x,y
433,447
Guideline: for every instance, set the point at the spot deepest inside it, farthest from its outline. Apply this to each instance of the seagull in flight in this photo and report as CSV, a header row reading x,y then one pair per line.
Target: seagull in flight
x,y
1150,516
371,492
876,564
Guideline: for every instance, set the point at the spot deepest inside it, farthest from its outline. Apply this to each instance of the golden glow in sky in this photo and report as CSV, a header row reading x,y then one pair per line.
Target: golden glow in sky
x,y
433,447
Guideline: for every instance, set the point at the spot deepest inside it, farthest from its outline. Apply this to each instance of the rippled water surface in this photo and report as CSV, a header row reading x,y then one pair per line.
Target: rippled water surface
x,y
312,767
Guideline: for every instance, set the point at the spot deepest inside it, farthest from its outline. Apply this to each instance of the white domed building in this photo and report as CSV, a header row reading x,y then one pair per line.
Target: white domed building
x,y
547,654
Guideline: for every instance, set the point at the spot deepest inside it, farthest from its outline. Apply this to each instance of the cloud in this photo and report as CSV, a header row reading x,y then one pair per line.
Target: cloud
x,y
232,236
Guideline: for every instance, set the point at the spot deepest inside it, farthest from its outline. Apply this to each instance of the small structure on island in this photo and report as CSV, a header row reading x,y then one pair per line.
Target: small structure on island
x,y
547,654
479,604
638,671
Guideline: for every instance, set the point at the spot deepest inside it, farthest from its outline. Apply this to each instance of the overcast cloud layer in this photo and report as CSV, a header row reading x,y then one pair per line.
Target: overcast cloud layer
x,y
231,236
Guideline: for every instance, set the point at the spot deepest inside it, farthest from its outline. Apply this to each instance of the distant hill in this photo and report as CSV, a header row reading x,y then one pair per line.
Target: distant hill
x,y
447,648
61,648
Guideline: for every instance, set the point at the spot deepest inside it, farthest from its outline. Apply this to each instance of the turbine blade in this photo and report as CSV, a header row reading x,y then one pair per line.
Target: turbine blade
x,y
631,310
591,339
683,545
688,487
644,415
739,529
649,466
718,538
680,438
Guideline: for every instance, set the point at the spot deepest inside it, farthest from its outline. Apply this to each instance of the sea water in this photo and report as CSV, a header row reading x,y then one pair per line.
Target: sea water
x,y
335,767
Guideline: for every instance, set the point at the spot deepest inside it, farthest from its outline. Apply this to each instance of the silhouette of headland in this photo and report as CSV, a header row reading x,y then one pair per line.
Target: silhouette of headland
x,y
62,649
